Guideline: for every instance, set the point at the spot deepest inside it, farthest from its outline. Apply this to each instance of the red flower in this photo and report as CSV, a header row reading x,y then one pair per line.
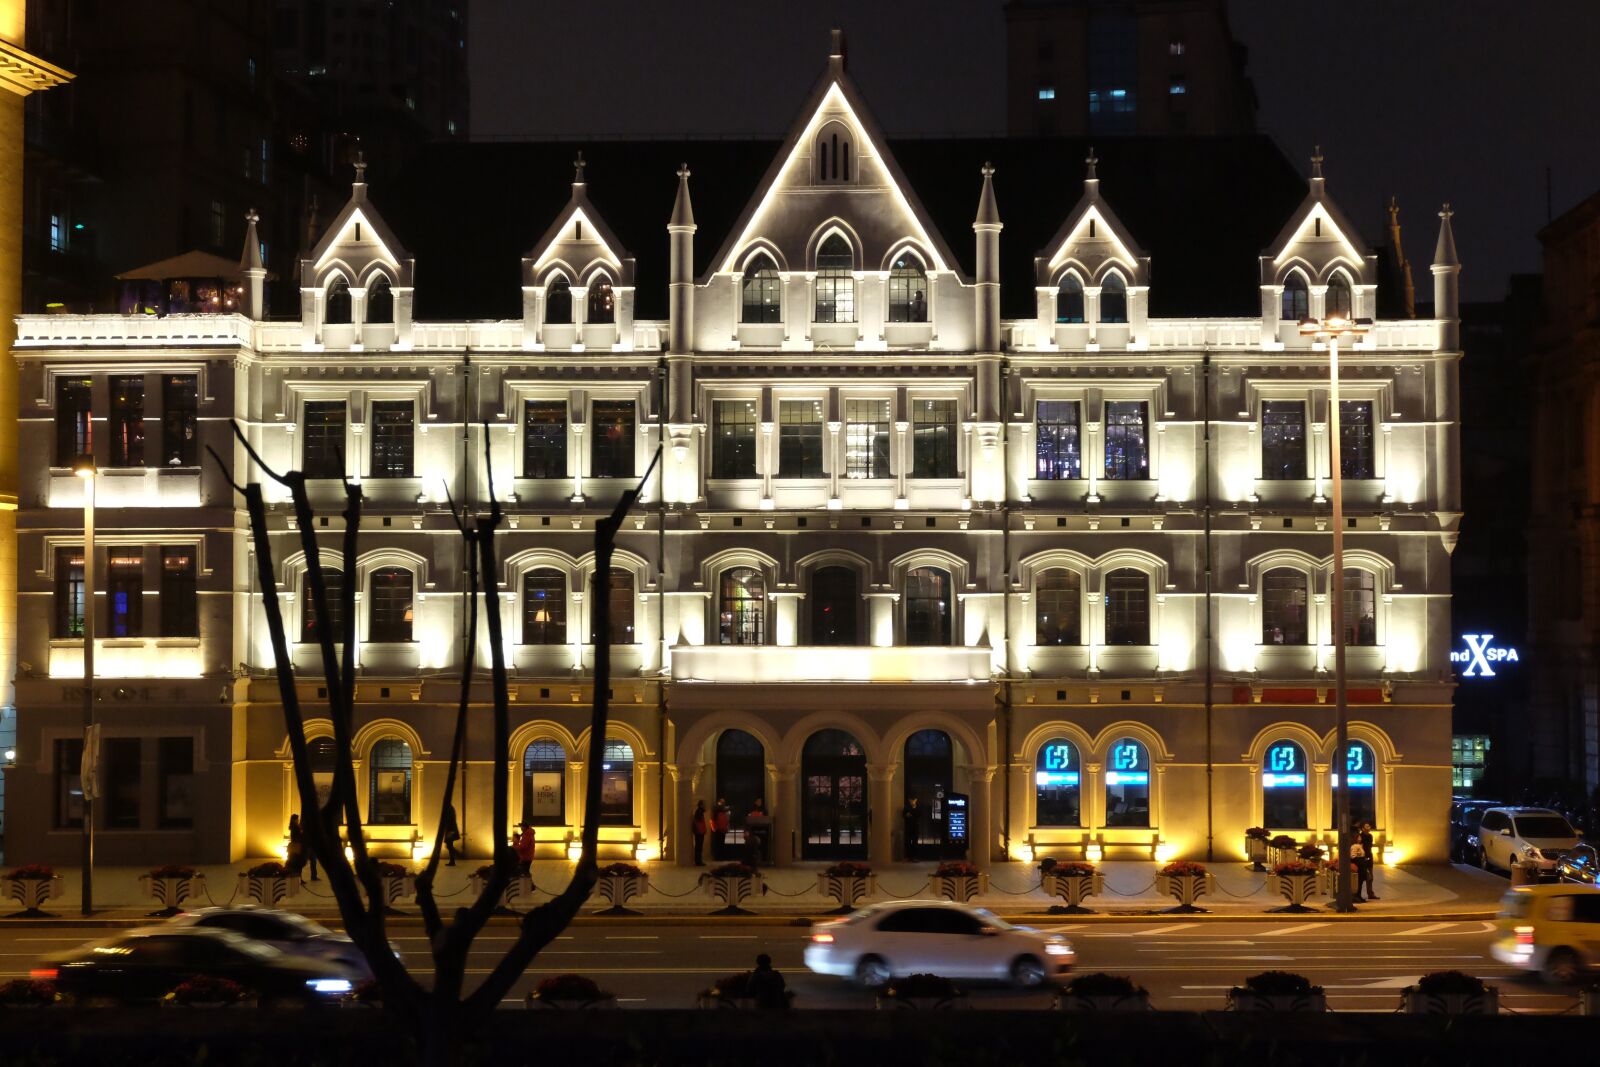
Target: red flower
x,y
1178,868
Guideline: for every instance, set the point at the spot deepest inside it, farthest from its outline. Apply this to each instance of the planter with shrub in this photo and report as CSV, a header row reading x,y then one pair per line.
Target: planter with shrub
x,y
31,886
203,991
1277,991
1295,882
733,991
268,883
1186,883
29,993
1073,882
731,884
1451,993
518,890
849,883
959,881
567,992
928,991
1102,992
620,883
1284,849
1255,847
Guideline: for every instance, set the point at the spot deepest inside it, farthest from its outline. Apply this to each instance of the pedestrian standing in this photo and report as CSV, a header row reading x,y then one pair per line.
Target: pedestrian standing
x,y
309,851
909,816
1358,859
697,826
767,987
1368,845
523,844
757,824
451,829
719,827
295,854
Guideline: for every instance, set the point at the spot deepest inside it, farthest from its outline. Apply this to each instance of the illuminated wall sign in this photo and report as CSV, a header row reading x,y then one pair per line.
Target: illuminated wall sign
x,y
1356,760
1126,757
1481,657
1275,781
1055,766
1127,778
1045,779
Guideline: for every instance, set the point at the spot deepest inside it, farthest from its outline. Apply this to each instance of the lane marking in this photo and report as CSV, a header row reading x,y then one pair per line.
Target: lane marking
x,y
632,937
1430,928
728,937
1287,930
1158,931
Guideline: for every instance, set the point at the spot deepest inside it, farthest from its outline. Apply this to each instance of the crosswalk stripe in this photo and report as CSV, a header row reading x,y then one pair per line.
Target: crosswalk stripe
x,y
1294,929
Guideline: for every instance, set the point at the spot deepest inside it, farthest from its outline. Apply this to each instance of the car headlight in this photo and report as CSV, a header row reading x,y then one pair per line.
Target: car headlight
x,y
1058,948
1529,850
329,986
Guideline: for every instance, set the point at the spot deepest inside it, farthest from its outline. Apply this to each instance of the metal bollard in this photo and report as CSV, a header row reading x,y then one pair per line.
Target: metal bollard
x,y
1522,874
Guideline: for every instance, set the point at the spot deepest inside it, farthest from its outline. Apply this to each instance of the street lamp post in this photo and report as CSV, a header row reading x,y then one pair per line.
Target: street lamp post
x,y
85,469
1331,329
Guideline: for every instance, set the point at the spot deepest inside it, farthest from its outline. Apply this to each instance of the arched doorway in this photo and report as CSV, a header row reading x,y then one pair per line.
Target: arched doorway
x,y
930,774
544,777
833,802
741,781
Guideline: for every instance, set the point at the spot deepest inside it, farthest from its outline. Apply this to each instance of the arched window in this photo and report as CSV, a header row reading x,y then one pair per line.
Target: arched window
x,y
391,613
836,283
742,610
1113,299
1128,784
1283,787
544,607
558,303
602,301
616,783
1127,607
762,299
544,783
835,604
1362,767
380,301
323,757
333,582
389,802
1283,608
1339,303
1360,608
621,594
928,606
1056,597
337,311
1056,782
908,291
741,781
1069,300
930,773
1296,299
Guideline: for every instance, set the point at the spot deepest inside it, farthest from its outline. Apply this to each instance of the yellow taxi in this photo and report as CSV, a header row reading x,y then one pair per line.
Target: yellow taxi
x,y
1553,930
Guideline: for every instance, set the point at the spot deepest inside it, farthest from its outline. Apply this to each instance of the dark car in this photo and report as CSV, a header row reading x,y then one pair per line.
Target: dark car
x,y
286,931
148,963
1466,814
1580,866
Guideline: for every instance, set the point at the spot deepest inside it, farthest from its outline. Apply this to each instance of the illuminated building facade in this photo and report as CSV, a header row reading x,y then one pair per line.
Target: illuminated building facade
x,y
1027,503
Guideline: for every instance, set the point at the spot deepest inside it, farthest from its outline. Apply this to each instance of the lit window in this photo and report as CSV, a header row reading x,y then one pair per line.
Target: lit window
x,y
866,439
58,232
762,292
389,800
602,302
1047,92
908,291
544,607
611,439
391,615
933,439
1057,448
1283,787
800,439
1296,299
1127,778
1127,433
544,439
621,602
1177,87
1338,301
1177,47
1355,439
393,438
733,445
1056,783
742,614
1283,439
836,285
127,421
1114,300
927,606
1283,608
1360,608
125,595
1057,595
1127,607
1069,300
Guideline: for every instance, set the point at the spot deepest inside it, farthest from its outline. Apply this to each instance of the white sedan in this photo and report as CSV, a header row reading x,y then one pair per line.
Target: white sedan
x,y
881,941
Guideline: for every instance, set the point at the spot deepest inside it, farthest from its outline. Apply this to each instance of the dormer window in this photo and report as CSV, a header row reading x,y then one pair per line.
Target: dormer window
x,y
1339,301
1296,299
602,302
558,303
1114,299
762,298
338,308
908,291
833,155
380,301
836,284
1069,300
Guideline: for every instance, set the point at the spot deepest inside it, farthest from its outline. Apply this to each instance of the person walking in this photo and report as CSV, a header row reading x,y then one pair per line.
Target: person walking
x,y
452,831
697,826
523,844
295,854
1365,870
909,816
719,828
767,987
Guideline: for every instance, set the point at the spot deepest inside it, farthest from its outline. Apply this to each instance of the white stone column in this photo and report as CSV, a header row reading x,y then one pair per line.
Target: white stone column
x,y
881,814
783,801
980,828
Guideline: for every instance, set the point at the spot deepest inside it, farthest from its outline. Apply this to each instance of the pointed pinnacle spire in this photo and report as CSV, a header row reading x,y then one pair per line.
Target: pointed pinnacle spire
x,y
577,168
836,48
1444,253
988,210
682,208
361,167
1089,164
1316,164
251,259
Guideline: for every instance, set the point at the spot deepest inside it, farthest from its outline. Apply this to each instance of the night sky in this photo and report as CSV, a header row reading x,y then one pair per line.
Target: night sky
x,y
1429,100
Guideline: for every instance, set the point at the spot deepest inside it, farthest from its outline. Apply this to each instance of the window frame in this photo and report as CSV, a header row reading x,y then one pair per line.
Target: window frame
x,y
1294,303
180,592
1074,765
1271,613
558,293
1114,301
1071,593
544,453
802,443
74,418
911,622
1056,446
618,459
308,611
835,277
409,793
1284,439
863,455
935,455
735,438
741,600
553,630
1122,598
1112,466
1073,295
387,630
331,452
819,598
908,280
392,449
600,301
762,279
124,577
180,416
338,304
125,430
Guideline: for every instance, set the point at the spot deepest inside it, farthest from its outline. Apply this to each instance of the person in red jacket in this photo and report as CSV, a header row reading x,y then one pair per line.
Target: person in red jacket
x,y
697,826
719,828
523,843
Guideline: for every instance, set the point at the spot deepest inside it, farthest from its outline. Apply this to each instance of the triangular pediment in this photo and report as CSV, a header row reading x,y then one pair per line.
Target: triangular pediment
x,y
1317,236
357,240
576,243
1091,241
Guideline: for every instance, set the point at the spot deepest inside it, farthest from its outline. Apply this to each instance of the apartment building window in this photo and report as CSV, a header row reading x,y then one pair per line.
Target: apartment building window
x,y
836,284
1047,92
1057,448
1355,439
179,420
391,618
393,438
761,296
544,607
1360,608
175,783
908,291
69,592
1058,594
1127,607
929,610
544,439
127,420
119,768
1283,608
866,439
800,439
611,450
389,798
1127,440
125,592
74,425
933,439
733,451
620,591
58,230
69,783
1283,439
180,616
333,585
323,448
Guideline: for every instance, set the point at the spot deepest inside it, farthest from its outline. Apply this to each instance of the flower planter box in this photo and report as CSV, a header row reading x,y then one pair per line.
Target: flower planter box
x,y
848,890
1296,889
397,888
534,1002
1420,1003
961,888
32,892
731,890
518,890
1328,883
1245,1000
1589,1000
954,1002
1255,850
1283,855
1074,889
618,889
172,890
1186,889
1065,1001
269,889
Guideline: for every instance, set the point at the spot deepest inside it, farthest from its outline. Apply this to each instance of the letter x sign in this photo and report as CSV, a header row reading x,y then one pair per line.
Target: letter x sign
x,y
1478,663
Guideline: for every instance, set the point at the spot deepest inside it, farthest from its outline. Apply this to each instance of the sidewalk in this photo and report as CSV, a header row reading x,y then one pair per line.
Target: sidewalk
x,y
1416,892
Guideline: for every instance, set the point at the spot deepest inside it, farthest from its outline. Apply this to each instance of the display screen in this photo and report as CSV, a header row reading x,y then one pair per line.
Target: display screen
x,y
1357,781
1045,779
1127,778
956,817
1278,781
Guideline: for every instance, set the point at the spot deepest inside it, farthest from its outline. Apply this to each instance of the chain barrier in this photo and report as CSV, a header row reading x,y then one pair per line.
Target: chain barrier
x,y
226,903
906,896
1135,893
1241,896
767,888
1017,892
657,889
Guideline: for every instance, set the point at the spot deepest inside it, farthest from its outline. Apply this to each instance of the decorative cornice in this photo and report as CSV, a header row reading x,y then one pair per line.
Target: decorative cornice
x,y
22,73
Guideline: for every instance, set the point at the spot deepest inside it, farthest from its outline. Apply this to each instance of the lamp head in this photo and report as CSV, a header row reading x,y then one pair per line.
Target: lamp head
x,y
84,467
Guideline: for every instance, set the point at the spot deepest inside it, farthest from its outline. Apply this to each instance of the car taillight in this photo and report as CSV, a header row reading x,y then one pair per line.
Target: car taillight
x,y
1524,935
44,974
822,939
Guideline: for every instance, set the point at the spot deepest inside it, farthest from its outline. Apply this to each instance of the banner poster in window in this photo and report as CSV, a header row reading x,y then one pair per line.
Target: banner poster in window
x,y
545,787
615,790
391,798
322,782
180,797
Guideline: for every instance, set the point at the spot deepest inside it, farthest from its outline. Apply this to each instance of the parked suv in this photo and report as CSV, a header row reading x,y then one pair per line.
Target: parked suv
x,y
1465,815
1532,838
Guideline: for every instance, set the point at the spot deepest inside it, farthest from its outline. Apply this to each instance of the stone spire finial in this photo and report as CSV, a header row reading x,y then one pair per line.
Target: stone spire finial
x,y
1444,253
577,168
836,52
251,260
1316,163
988,210
682,208
361,167
1090,162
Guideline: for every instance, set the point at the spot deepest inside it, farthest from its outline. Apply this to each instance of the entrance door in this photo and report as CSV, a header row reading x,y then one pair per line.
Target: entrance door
x,y
929,776
833,816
